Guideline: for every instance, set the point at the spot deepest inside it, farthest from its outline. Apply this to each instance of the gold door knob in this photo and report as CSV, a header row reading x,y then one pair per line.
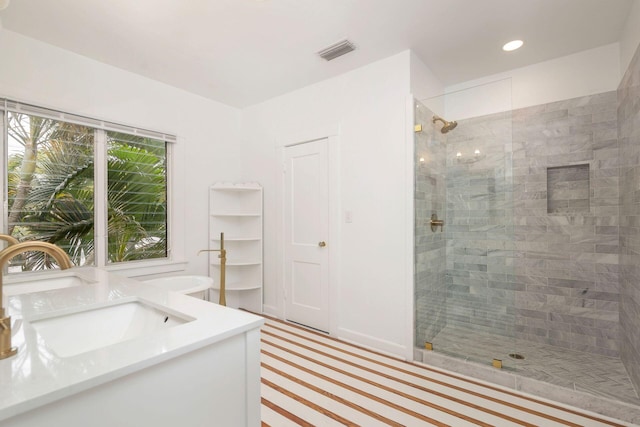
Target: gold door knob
x,y
322,244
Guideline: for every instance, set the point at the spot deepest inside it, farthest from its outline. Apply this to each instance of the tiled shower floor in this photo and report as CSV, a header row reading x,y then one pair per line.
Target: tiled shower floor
x,y
599,375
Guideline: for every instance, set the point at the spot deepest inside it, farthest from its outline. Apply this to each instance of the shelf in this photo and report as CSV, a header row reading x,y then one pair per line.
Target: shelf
x,y
237,214
239,263
237,287
235,209
237,239
245,186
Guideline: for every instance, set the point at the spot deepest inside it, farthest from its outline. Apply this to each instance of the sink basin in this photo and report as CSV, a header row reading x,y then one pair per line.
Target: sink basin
x,y
69,334
38,282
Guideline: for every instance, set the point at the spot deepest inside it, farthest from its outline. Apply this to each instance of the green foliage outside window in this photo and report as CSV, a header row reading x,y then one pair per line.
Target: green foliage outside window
x,y
51,191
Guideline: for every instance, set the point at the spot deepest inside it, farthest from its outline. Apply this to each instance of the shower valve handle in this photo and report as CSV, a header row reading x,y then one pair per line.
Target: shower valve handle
x,y
435,223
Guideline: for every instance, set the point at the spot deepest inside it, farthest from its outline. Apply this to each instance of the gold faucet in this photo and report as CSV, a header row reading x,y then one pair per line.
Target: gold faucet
x,y
223,261
5,255
9,239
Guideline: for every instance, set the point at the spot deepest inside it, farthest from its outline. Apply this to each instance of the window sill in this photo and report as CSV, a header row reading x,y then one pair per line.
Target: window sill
x,y
145,268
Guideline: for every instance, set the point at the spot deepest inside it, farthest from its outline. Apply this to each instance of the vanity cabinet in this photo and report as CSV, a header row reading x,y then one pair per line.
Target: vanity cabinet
x,y
235,209
202,368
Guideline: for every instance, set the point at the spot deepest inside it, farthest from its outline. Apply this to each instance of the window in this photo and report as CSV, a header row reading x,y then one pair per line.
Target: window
x,y
71,181
137,198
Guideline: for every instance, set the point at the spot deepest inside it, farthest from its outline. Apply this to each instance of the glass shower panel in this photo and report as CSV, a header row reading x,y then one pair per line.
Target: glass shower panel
x,y
430,246
465,281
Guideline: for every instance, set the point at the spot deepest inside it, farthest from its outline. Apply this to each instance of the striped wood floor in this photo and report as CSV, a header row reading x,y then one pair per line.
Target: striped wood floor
x,y
309,379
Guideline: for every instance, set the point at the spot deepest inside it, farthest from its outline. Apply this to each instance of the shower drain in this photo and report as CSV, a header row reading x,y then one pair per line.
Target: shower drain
x,y
516,356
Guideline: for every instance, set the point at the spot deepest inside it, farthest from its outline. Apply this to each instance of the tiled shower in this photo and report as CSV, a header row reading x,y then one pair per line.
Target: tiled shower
x,y
538,263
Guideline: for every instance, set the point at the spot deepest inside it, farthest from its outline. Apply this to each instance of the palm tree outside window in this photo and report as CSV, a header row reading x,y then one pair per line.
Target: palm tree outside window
x,y
51,188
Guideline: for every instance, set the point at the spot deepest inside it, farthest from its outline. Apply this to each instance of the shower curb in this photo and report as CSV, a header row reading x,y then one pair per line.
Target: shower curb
x,y
541,390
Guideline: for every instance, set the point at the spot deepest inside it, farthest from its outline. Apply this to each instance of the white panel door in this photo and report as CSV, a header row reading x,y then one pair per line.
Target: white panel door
x,y
306,229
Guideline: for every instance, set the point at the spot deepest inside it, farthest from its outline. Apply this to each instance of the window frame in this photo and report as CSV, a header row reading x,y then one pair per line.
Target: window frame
x,y
101,127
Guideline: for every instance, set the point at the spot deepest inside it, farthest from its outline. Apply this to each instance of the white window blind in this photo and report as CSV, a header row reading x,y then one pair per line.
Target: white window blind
x,y
137,197
63,171
20,107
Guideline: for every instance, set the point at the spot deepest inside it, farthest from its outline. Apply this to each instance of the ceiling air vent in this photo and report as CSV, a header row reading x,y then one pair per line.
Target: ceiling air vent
x,y
336,50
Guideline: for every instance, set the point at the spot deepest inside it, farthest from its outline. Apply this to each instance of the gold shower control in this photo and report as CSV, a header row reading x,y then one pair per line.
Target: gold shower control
x,y
435,223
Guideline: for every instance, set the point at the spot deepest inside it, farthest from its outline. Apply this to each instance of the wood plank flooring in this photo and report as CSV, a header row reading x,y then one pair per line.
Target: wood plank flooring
x,y
309,379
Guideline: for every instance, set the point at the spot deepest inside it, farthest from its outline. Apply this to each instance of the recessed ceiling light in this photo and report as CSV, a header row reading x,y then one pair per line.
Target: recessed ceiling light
x,y
512,45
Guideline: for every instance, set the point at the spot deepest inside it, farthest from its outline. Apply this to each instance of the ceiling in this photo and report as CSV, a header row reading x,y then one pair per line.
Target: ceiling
x,y
241,52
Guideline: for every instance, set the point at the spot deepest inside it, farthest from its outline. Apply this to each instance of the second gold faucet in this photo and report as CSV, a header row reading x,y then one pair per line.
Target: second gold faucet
x,y
223,261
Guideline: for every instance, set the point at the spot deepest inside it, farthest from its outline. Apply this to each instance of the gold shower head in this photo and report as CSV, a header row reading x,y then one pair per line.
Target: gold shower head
x,y
447,125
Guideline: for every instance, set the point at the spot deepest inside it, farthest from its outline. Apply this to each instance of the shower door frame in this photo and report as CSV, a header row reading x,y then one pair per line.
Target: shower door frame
x,y
409,237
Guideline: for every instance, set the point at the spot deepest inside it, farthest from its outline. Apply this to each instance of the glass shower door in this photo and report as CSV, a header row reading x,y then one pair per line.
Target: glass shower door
x,y
465,281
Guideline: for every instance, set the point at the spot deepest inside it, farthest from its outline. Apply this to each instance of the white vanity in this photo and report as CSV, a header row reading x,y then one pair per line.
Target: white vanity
x,y
112,351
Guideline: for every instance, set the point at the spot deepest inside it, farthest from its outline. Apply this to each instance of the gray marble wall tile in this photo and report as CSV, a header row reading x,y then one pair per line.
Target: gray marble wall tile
x,y
542,180
628,115
479,191
570,146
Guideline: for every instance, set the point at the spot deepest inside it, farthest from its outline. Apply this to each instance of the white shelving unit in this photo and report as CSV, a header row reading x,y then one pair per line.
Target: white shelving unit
x,y
235,209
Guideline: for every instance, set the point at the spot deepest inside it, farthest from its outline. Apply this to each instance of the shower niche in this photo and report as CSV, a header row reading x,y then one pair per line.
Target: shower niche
x,y
568,189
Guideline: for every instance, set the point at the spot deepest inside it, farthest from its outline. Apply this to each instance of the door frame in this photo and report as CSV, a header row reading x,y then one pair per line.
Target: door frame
x,y
331,134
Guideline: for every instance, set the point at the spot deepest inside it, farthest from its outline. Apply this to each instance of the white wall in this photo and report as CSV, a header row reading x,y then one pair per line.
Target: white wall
x,y
585,73
368,107
424,84
630,37
208,132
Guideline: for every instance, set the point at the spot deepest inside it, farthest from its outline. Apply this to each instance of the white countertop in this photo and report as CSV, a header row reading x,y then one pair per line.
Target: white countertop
x,y
37,376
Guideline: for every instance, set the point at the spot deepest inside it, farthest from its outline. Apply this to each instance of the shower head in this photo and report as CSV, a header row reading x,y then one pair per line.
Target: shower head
x,y
447,125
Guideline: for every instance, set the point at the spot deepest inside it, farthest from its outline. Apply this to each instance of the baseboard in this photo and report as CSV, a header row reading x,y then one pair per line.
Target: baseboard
x,y
270,310
373,343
